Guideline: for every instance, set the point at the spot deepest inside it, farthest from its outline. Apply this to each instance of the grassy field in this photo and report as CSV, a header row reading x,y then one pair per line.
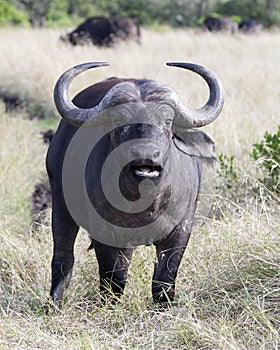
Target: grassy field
x,y
228,287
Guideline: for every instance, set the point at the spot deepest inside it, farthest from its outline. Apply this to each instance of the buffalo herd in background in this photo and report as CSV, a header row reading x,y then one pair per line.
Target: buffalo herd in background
x,y
251,26
226,24
103,31
106,31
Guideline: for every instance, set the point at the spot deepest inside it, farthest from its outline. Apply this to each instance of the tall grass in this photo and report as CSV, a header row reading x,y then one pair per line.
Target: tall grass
x,y
228,287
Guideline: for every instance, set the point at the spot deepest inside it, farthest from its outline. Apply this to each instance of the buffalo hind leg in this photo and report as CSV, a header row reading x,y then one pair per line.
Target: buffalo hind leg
x,y
64,235
169,254
113,265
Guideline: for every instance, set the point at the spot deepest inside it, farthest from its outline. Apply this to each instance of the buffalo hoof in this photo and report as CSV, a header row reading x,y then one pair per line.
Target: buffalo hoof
x,y
163,295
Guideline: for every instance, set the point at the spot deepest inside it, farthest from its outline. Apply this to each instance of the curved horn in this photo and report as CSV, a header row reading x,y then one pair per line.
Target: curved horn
x,y
212,108
66,108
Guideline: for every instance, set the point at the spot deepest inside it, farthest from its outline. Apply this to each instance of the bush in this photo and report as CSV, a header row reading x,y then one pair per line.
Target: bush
x,y
230,183
267,156
237,188
227,171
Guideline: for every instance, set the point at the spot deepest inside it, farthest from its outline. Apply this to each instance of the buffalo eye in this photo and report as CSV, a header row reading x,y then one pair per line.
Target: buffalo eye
x,y
168,122
166,113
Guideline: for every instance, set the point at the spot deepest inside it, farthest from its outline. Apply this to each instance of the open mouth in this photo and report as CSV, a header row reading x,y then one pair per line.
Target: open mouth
x,y
146,168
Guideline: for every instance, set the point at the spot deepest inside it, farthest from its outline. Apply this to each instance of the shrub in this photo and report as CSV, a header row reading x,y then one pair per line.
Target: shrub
x,y
230,186
237,188
267,156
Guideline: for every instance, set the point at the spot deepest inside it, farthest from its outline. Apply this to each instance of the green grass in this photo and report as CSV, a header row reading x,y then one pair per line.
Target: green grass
x,y
228,286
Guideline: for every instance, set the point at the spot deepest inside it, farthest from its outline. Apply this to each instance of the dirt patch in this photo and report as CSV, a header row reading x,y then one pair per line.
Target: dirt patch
x,y
12,102
47,136
40,203
41,196
34,109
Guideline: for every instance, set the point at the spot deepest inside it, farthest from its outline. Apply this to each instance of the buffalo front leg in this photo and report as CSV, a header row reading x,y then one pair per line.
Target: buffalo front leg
x,y
113,265
64,234
170,251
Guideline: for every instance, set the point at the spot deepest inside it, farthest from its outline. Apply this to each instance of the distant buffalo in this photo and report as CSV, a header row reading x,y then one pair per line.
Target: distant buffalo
x,y
103,31
250,26
221,24
126,28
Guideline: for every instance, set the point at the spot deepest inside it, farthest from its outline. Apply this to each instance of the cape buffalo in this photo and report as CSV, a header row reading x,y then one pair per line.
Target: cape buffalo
x,y
103,31
125,163
126,28
252,26
221,24
95,30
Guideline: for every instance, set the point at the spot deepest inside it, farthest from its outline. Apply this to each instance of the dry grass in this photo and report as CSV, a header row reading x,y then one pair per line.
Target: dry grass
x,y
228,288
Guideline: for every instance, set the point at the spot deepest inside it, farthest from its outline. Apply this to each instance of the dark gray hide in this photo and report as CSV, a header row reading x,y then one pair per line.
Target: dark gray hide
x,y
174,144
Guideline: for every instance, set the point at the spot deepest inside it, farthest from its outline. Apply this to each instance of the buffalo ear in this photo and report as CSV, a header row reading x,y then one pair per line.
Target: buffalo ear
x,y
195,143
